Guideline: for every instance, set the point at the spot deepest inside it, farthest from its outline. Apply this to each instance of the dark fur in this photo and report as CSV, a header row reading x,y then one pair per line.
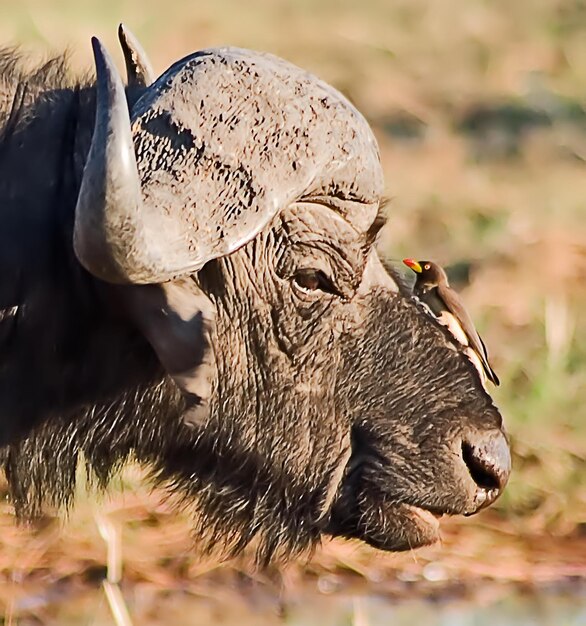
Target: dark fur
x,y
59,348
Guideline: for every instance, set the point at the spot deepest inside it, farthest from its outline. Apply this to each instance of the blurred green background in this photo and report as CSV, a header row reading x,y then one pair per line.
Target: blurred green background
x,y
479,109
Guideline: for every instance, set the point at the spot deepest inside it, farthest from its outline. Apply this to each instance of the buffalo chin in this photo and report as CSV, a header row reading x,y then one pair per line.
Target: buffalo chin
x,y
402,527
361,511
389,526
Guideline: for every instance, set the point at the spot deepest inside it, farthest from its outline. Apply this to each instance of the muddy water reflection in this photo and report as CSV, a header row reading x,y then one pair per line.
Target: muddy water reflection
x,y
223,607
545,610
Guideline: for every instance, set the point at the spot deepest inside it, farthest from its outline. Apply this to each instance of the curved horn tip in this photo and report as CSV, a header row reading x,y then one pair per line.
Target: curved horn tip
x,y
102,59
138,67
97,46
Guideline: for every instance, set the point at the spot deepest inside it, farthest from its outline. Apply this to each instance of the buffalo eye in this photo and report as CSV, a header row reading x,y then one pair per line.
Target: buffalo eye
x,y
314,280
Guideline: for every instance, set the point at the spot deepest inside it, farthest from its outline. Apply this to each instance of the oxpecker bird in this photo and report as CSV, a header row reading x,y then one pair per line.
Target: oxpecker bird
x,y
433,289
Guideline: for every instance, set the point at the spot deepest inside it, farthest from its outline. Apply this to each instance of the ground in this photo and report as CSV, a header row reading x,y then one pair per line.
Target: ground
x,y
479,111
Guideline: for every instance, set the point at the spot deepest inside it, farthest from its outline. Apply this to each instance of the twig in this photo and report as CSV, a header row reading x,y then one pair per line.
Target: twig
x,y
110,533
559,329
117,604
359,617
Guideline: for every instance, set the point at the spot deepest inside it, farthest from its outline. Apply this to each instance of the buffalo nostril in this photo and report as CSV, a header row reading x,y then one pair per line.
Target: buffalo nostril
x,y
488,459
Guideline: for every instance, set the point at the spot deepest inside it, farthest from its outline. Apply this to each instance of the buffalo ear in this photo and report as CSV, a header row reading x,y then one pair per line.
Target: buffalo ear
x,y
177,319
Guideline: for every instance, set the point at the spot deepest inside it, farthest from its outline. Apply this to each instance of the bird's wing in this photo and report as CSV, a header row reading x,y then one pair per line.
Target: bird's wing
x,y
454,304
494,379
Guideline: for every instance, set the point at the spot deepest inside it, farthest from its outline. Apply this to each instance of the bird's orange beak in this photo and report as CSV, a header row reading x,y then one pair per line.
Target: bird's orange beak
x,y
411,263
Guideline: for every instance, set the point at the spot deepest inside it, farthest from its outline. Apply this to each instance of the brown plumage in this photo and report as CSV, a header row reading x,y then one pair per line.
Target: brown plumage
x,y
432,288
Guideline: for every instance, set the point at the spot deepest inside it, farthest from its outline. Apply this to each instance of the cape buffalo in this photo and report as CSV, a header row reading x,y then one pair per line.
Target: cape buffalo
x,y
189,280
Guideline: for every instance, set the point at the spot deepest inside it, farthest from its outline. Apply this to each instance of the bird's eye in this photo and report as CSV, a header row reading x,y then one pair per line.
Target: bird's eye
x,y
314,280
426,266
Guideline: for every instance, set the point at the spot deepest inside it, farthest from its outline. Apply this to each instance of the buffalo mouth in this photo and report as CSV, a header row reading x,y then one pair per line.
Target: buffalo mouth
x,y
390,526
361,511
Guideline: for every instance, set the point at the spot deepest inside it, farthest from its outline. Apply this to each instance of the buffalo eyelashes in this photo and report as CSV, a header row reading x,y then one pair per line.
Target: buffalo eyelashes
x,y
314,280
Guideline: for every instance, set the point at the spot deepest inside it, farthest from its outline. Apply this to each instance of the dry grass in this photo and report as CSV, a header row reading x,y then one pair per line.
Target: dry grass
x,y
453,90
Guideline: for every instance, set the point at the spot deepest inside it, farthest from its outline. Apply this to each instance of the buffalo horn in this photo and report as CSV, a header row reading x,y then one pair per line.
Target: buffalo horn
x,y
109,237
138,67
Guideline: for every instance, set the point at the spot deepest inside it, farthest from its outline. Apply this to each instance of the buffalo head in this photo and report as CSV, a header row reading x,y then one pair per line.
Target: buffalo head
x,y
279,376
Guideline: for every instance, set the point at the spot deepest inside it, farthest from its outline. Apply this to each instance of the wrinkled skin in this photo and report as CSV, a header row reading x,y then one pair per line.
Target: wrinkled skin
x,y
334,403
363,366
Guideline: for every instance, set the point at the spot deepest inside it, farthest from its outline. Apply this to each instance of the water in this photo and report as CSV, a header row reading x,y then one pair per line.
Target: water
x,y
512,610
221,606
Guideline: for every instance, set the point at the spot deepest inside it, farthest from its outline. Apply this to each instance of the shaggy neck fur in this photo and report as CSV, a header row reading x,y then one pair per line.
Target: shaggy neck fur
x,y
59,350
